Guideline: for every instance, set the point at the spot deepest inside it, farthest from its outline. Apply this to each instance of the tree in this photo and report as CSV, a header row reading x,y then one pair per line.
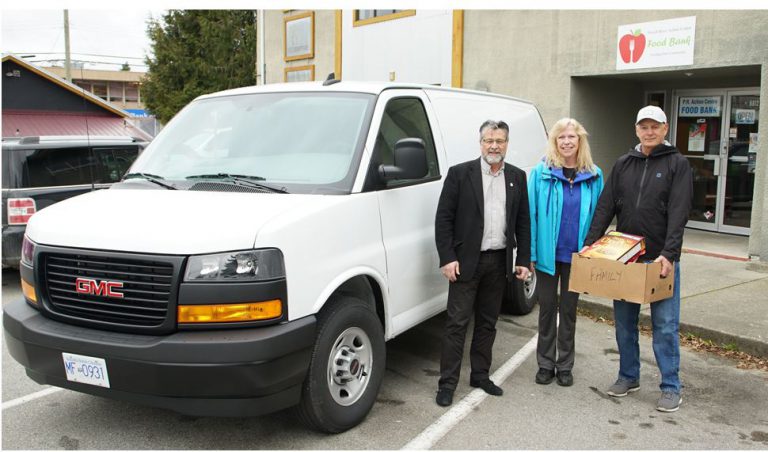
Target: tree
x,y
198,52
125,67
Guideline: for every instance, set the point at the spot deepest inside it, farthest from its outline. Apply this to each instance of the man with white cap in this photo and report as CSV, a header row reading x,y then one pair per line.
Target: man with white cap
x,y
650,191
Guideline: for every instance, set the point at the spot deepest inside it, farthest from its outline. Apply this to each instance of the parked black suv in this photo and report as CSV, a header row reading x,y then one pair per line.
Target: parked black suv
x,y
40,171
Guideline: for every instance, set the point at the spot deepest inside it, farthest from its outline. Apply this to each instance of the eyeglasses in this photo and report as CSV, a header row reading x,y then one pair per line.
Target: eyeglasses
x,y
489,141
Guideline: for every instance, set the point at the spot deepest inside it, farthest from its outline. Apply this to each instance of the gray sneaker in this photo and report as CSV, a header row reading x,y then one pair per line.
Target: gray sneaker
x,y
623,387
669,402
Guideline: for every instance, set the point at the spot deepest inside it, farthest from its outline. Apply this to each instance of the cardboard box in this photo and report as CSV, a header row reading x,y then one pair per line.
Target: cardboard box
x,y
637,282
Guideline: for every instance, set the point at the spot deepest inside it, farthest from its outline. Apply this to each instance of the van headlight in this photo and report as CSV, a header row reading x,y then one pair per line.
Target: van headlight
x,y
246,265
27,252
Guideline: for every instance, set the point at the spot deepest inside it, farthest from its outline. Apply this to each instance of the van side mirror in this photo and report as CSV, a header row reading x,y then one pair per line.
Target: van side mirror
x,y
410,161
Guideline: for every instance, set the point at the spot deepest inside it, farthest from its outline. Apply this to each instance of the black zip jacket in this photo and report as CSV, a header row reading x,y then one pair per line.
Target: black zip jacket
x,y
651,196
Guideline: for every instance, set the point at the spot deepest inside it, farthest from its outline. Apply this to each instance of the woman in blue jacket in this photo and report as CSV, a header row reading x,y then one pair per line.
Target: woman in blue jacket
x,y
562,191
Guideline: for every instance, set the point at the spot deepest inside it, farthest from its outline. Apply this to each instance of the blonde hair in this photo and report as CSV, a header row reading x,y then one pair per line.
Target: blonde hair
x,y
583,154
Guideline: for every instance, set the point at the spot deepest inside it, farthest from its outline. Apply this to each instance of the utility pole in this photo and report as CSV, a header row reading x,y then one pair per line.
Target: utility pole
x,y
67,62
260,63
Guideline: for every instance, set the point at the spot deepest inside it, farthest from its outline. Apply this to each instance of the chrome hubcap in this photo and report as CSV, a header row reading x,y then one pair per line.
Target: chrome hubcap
x,y
349,366
529,286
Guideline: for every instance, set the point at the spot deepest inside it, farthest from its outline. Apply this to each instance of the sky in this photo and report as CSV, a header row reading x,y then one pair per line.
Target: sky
x,y
104,39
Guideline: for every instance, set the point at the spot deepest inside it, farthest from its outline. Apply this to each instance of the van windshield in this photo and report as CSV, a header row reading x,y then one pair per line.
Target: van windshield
x,y
304,142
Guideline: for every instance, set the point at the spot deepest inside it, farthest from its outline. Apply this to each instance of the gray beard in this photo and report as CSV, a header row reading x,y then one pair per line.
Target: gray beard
x,y
493,159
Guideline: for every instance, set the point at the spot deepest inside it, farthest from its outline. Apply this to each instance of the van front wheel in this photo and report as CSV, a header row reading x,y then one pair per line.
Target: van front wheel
x,y
346,369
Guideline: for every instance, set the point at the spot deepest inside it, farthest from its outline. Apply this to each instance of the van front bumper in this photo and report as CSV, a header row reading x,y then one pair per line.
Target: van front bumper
x,y
231,372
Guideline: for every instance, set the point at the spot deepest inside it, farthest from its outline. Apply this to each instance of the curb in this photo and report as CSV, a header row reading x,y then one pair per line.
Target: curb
x,y
744,344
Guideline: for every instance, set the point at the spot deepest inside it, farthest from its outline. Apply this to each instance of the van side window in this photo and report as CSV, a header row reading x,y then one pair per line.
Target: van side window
x,y
404,117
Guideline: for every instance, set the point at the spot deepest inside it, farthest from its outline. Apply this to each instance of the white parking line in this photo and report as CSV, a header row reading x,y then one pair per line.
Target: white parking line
x,y
432,434
30,397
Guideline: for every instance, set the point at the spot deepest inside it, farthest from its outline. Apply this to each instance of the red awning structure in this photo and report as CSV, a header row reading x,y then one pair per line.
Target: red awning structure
x,y
37,123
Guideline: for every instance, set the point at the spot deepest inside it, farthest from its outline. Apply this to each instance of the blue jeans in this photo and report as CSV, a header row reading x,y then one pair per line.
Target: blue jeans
x,y
665,318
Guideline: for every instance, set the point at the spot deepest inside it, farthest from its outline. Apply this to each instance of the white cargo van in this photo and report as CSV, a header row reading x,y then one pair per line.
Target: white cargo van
x,y
259,252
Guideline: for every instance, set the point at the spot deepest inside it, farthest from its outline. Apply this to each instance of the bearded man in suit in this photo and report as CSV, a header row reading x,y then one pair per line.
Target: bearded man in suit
x,y
482,216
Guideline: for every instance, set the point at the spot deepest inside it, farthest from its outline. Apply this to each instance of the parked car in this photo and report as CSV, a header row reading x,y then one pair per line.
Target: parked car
x,y
259,252
40,171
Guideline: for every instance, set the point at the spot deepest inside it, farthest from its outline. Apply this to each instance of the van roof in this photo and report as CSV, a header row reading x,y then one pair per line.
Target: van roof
x,y
346,86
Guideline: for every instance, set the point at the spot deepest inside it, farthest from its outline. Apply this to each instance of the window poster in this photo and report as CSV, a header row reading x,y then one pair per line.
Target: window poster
x,y
753,143
696,135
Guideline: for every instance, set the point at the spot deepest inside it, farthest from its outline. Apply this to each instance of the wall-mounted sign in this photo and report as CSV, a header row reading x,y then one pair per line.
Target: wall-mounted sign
x,y
699,106
656,44
137,113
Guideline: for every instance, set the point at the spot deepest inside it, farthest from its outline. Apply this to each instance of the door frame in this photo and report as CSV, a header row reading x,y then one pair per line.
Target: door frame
x,y
740,230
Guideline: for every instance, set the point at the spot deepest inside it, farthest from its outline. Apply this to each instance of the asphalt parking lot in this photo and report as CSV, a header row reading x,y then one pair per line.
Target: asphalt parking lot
x,y
724,407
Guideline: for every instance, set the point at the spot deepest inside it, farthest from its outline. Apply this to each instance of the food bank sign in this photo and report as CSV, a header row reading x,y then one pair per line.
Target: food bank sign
x,y
656,44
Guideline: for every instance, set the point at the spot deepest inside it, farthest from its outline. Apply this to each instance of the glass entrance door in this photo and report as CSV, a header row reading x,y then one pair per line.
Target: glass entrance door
x,y
698,136
716,130
742,120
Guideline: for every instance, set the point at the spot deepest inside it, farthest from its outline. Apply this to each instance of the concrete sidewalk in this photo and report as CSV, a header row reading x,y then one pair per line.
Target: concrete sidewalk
x,y
720,299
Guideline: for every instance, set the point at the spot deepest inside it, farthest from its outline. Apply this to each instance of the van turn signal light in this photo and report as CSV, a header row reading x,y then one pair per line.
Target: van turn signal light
x,y
29,291
223,313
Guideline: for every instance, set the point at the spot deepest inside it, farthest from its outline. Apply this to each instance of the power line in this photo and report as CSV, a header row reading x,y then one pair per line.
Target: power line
x,y
58,60
84,54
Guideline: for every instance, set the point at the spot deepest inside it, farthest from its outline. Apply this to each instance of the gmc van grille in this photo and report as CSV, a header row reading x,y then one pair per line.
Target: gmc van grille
x,y
77,286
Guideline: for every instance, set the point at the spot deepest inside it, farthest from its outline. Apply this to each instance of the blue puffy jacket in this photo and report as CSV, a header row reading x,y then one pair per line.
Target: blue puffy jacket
x,y
545,197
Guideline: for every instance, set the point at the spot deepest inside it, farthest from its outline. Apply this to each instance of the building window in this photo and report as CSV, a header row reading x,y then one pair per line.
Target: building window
x,y
299,73
299,36
99,89
372,16
656,98
115,91
131,92
84,85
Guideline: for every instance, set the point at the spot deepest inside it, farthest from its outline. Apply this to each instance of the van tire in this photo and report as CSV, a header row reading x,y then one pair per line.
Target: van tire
x,y
520,296
346,368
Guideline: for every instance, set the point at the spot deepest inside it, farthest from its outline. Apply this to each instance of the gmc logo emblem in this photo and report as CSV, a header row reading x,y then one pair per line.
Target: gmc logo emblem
x,y
99,288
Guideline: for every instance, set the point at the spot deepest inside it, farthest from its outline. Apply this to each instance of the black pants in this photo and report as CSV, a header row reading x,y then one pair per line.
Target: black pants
x,y
549,355
481,295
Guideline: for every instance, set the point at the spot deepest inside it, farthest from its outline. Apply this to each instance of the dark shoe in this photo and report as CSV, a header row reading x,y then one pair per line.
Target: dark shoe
x,y
444,397
487,386
564,378
545,376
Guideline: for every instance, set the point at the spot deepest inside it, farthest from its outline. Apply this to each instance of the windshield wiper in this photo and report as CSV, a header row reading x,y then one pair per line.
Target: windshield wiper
x,y
241,179
154,178
225,176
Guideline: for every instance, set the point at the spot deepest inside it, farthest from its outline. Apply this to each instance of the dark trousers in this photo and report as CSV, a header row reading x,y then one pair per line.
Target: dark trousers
x,y
556,346
482,296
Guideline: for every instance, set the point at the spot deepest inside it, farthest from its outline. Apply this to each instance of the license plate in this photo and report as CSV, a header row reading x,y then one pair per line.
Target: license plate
x,y
86,369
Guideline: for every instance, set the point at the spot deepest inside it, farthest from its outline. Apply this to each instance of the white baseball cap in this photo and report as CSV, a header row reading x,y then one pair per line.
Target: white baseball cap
x,y
651,112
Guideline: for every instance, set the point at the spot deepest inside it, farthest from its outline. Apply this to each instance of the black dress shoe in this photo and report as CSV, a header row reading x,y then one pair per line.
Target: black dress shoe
x,y
564,378
487,386
545,376
444,397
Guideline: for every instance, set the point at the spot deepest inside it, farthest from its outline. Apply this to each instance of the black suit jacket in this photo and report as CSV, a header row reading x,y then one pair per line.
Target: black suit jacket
x,y
460,213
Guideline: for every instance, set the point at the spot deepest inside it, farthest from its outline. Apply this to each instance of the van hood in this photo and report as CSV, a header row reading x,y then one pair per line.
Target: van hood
x,y
161,221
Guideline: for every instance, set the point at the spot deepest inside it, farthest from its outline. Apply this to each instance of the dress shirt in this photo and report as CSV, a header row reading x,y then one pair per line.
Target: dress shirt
x,y
495,200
